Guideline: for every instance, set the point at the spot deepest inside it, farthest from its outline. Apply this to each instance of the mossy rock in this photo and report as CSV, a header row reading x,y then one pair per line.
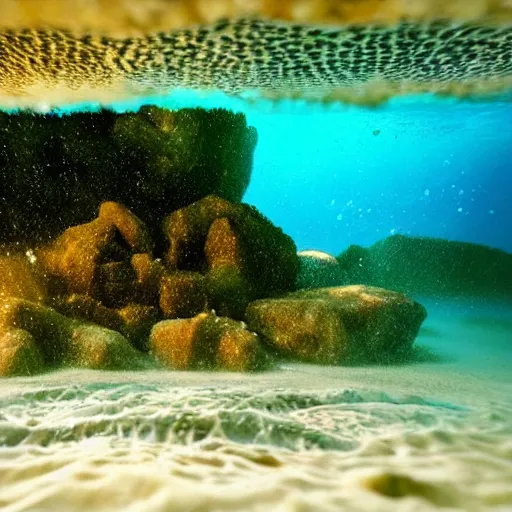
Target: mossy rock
x,y
56,170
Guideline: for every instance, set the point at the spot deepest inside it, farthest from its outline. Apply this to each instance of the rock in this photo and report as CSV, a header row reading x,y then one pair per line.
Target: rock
x,y
138,321
430,267
90,310
134,321
307,330
71,261
66,342
183,294
351,324
213,234
149,273
114,283
130,227
19,278
59,169
175,343
239,350
357,266
207,342
95,258
97,348
229,292
49,329
222,246
19,354
318,270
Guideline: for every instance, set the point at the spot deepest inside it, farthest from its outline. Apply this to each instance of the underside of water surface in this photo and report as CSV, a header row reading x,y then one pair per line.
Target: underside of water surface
x,y
261,263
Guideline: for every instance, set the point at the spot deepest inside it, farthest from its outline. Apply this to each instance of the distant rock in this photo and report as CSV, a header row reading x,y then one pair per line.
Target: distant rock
x,y
352,324
318,270
431,267
57,170
207,342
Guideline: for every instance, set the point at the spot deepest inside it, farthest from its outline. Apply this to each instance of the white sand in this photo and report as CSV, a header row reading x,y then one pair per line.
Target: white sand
x,y
301,438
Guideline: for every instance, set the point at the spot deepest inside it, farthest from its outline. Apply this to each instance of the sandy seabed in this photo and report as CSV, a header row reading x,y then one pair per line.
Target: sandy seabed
x,y
435,433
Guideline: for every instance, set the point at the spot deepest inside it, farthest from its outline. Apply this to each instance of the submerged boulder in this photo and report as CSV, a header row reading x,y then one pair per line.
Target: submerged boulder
x,y
19,354
20,278
431,267
351,324
57,170
318,269
34,337
245,255
207,342
94,258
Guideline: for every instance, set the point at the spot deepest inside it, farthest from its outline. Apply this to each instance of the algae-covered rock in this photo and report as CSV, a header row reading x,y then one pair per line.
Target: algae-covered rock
x,y
351,324
134,321
318,269
95,258
60,340
19,354
306,330
94,347
216,235
149,272
431,267
19,278
138,321
88,309
207,342
183,294
57,170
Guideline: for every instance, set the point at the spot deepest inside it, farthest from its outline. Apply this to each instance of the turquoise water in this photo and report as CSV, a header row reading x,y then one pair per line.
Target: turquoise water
x,y
337,175
433,433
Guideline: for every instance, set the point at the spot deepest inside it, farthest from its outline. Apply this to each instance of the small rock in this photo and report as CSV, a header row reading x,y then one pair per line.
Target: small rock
x,y
174,342
239,350
66,342
183,294
72,259
94,258
351,324
318,270
19,354
50,330
207,342
133,320
307,330
94,347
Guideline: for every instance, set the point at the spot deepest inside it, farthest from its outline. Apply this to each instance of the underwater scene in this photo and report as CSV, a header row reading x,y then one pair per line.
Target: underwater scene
x,y
256,257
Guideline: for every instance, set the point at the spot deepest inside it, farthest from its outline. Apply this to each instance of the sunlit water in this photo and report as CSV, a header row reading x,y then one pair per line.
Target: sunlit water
x,y
434,433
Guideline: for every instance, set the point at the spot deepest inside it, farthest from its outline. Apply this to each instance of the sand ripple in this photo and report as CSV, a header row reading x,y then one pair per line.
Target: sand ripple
x,y
156,447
